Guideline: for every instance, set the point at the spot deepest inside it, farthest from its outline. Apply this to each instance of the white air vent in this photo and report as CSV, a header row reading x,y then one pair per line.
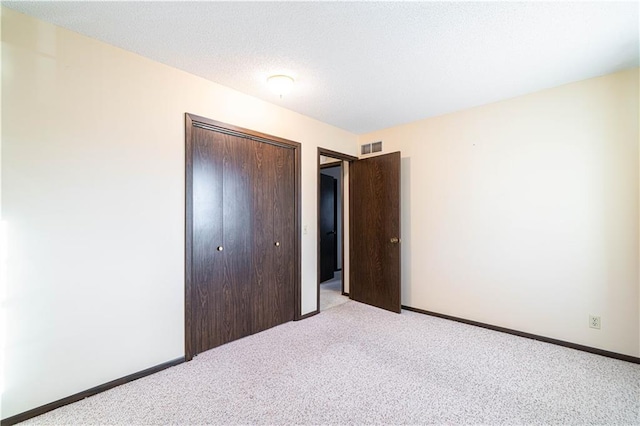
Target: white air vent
x,y
371,147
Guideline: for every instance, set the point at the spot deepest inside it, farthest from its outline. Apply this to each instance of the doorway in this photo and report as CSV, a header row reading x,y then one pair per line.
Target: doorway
x,y
333,200
369,244
331,229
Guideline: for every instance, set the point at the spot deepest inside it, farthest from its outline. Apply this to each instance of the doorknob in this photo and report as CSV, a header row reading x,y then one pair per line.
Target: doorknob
x,y
220,248
331,233
277,244
395,240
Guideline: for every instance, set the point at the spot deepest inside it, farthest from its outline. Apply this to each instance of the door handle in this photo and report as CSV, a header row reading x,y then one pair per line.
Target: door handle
x,y
220,248
277,244
331,233
395,240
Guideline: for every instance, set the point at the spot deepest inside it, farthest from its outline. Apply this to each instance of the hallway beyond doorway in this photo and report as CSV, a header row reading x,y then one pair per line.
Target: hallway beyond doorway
x,y
331,292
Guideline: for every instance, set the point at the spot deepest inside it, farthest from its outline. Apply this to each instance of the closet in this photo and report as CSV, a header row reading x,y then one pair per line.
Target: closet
x,y
242,261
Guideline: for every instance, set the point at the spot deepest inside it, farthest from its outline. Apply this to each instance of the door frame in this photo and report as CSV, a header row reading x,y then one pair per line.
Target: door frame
x,y
192,120
343,157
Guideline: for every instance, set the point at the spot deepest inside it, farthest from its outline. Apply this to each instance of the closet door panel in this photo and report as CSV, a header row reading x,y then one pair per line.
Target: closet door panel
x,y
238,240
282,295
263,242
241,230
207,262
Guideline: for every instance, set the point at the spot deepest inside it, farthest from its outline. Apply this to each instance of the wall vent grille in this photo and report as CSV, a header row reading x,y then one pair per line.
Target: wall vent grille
x,y
370,148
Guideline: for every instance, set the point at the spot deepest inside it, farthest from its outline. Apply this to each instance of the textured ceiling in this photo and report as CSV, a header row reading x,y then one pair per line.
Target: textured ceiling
x,y
364,66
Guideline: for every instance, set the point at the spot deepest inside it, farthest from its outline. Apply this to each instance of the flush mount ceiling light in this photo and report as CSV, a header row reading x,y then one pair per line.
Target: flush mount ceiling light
x,y
280,84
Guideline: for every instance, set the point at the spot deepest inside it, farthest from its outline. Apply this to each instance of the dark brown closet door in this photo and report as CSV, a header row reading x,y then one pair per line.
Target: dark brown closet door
x,y
207,261
263,243
242,251
284,235
222,223
273,270
238,214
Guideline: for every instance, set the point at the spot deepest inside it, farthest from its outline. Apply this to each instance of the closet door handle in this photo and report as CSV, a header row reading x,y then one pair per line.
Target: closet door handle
x,y
277,244
220,248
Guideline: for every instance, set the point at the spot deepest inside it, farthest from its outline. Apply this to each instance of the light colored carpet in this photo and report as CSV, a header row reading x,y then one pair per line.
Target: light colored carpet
x,y
355,364
331,293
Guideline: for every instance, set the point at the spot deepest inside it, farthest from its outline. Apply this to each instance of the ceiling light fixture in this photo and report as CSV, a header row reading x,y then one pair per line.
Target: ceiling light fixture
x,y
280,84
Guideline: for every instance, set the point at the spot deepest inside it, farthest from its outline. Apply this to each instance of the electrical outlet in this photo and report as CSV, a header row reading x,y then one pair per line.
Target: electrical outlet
x,y
594,322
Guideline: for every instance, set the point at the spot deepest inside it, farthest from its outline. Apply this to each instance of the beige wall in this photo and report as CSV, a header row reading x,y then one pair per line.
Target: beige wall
x,y
524,213
93,202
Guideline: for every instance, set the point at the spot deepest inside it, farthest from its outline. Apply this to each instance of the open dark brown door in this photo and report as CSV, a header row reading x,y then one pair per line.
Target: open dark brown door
x,y
375,231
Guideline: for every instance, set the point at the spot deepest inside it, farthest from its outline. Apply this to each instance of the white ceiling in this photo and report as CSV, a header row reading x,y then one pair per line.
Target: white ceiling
x,y
364,66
